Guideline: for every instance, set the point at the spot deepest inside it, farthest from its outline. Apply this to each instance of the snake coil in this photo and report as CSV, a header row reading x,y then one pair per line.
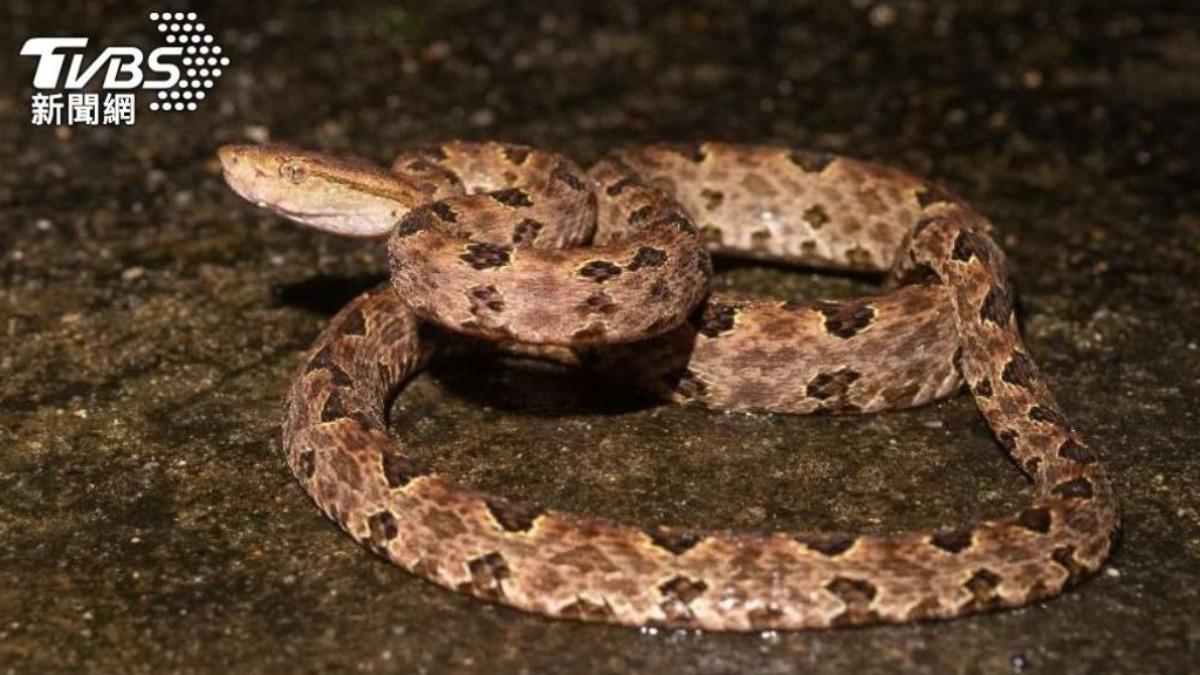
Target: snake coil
x,y
511,243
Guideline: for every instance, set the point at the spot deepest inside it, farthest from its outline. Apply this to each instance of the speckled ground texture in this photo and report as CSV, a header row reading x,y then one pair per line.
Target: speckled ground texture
x,y
150,322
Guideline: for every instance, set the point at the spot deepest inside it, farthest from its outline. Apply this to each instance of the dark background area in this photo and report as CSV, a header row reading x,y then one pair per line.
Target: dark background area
x,y
150,321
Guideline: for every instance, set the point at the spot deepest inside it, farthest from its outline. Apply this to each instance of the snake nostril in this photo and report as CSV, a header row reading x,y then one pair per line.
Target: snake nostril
x,y
293,171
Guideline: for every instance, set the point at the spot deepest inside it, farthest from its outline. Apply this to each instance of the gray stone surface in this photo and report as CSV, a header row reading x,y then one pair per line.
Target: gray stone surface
x,y
150,321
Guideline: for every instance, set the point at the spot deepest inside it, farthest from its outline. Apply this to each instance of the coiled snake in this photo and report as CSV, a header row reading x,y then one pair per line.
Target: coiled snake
x,y
610,268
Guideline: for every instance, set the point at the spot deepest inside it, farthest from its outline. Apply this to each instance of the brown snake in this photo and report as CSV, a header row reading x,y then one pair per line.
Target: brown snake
x,y
488,239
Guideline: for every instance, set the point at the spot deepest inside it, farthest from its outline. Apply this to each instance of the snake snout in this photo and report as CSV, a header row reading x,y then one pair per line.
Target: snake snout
x,y
231,155
243,168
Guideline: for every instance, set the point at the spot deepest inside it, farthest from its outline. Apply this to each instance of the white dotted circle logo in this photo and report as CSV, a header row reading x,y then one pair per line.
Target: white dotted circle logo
x,y
202,63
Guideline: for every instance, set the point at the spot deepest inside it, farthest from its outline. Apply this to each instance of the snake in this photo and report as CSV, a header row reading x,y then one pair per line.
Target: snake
x,y
515,247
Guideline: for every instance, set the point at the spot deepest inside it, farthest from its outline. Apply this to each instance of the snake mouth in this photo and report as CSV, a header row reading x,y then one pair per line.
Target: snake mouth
x,y
244,191
304,216
251,196
333,222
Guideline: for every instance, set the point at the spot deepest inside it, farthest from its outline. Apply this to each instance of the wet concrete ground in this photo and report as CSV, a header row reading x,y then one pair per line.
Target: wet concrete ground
x,y
150,322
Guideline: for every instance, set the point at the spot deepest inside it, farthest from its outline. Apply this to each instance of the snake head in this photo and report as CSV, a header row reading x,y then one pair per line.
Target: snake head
x,y
349,197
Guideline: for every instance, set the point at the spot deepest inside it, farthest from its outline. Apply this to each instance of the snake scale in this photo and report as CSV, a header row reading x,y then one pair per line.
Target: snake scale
x,y
609,268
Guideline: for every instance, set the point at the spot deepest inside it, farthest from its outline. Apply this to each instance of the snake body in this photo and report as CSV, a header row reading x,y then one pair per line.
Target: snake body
x,y
485,239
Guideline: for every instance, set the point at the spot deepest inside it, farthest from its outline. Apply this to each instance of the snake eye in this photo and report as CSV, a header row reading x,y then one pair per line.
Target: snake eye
x,y
293,171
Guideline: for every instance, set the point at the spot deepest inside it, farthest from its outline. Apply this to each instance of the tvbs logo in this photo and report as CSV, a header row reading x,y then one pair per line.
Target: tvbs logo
x,y
181,72
124,65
